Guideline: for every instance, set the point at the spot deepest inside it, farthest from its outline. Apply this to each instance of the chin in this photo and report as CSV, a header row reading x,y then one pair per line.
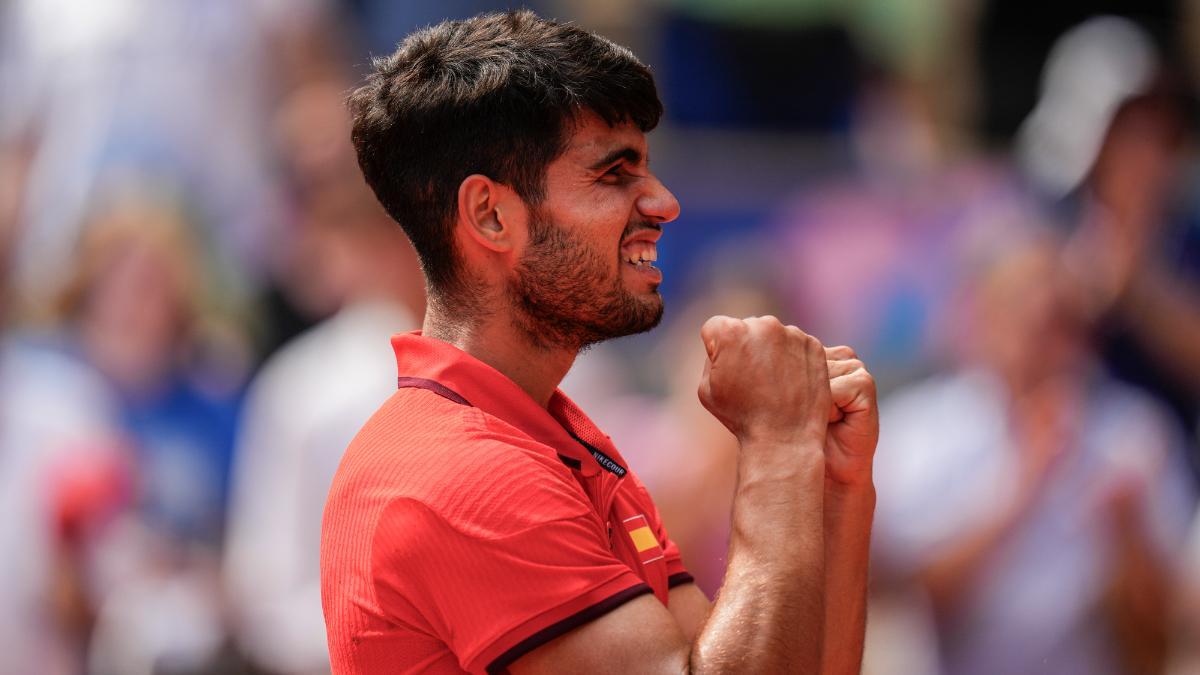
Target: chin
x,y
643,313
654,312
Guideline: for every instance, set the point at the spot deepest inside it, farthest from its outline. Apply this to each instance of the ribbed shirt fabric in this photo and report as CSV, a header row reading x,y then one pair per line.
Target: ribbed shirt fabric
x,y
467,525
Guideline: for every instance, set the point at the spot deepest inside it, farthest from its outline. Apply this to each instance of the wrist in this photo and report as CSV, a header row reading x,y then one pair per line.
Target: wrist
x,y
850,478
772,459
839,494
809,435
780,475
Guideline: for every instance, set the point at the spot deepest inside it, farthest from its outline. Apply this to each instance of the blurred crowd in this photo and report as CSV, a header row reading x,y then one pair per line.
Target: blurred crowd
x,y
997,204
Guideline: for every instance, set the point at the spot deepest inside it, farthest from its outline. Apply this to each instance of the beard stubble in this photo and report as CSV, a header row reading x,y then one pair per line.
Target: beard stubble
x,y
567,295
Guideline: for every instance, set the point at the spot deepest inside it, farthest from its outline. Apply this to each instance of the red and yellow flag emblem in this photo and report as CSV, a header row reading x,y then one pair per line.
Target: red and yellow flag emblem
x,y
643,538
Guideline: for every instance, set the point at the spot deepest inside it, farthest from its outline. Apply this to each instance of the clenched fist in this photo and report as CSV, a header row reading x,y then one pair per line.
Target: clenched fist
x,y
766,382
853,419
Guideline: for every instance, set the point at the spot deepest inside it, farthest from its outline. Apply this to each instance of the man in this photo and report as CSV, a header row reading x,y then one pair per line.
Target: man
x,y
479,521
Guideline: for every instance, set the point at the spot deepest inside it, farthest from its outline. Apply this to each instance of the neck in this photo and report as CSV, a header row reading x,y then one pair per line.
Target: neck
x,y
493,337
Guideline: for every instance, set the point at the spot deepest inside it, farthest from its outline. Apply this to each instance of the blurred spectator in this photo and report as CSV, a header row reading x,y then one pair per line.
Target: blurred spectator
x,y
1109,140
1039,503
1137,251
135,310
313,395
62,479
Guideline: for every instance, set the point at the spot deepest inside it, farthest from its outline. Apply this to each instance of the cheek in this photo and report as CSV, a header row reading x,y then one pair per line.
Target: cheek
x,y
599,228
598,214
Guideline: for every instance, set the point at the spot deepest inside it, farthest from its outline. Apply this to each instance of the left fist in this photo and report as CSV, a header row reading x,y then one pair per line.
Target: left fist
x,y
853,419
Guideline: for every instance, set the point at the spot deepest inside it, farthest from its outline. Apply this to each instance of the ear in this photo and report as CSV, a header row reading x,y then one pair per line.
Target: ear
x,y
479,212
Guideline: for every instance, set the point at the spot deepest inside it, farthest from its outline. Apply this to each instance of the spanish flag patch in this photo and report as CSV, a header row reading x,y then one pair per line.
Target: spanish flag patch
x,y
643,539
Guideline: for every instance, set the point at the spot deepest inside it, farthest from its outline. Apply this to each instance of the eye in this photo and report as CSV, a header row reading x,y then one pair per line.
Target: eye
x,y
615,173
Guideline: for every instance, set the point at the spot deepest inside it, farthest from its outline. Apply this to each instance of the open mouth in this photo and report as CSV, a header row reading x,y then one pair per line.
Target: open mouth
x,y
640,254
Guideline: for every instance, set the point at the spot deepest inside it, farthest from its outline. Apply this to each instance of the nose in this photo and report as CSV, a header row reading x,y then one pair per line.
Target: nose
x,y
657,203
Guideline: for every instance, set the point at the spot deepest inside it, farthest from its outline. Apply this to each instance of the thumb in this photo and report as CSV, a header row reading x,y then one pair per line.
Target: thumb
x,y
835,413
713,333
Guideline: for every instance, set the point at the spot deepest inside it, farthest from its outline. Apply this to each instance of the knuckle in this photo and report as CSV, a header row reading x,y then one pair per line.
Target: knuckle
x,y
864,377
768,327
795,333
844,351
716,322
768,323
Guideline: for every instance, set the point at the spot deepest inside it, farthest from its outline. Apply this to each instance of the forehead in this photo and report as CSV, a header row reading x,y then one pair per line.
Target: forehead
x,y
592,138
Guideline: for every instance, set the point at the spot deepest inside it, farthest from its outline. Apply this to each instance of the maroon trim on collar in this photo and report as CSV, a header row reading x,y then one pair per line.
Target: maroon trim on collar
x,y
448,393
436,387
495,394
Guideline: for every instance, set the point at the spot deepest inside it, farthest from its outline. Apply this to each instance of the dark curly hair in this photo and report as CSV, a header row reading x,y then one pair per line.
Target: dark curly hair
x,y
498,95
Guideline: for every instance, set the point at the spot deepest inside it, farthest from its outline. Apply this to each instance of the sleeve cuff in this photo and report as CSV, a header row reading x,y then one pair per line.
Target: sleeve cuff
x,y
562,626
680,578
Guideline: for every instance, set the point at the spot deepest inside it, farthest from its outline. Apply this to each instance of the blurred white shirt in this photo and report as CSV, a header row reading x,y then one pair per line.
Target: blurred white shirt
x,y
304,408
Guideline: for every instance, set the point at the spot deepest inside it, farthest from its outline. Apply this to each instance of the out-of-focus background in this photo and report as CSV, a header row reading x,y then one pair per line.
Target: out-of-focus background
x,y
996,203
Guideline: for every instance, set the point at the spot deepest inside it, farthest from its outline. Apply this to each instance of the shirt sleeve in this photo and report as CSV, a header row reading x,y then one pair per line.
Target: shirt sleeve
x,y
496,576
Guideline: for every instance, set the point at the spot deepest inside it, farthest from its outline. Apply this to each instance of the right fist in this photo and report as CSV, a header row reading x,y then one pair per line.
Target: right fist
x,y
765,381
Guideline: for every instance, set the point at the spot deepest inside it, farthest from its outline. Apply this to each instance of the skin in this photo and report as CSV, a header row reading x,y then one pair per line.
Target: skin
x,y
805,418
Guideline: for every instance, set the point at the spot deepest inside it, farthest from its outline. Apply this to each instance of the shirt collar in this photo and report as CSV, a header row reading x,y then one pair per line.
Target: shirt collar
x,y
562,425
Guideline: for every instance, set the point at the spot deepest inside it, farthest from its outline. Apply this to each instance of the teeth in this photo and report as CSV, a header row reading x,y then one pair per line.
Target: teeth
x,y
647,254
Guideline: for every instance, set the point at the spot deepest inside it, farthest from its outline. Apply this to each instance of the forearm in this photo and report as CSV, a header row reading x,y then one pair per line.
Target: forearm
x,y
769,613
848,515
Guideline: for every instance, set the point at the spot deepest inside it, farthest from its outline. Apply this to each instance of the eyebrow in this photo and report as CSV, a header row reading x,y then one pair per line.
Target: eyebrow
x,y
626,153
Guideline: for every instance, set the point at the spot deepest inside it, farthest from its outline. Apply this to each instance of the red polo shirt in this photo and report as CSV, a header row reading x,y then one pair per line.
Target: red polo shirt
x,y
467,525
